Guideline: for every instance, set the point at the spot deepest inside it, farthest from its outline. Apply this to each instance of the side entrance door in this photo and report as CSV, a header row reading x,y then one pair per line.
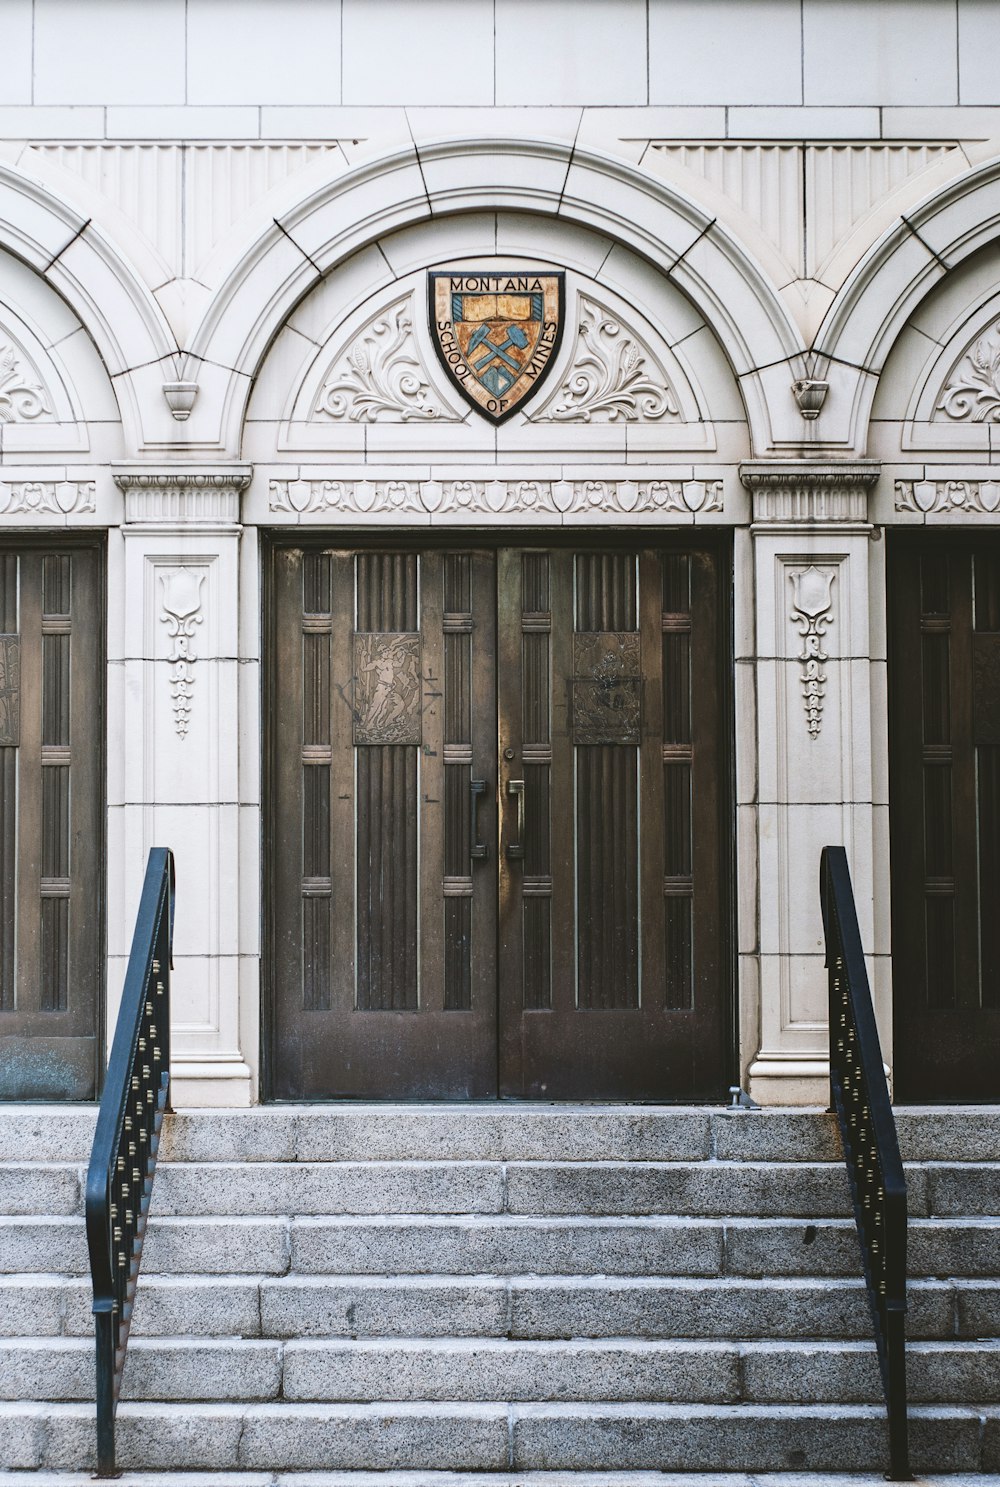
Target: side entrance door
x,y
497,823
51,812
945,815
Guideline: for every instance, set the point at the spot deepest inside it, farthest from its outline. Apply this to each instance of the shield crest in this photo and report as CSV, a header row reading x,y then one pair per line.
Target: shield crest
x,y
496,334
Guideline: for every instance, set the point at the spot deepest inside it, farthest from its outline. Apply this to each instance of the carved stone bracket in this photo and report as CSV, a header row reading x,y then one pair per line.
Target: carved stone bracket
x,y
183,495
181,610
927,497
812,600
544,499
47,498
800,492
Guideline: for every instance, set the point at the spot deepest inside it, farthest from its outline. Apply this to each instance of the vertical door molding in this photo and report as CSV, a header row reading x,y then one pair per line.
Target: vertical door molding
x,y
178,701
819,675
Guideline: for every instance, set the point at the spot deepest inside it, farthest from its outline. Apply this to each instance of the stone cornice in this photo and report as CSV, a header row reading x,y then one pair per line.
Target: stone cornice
x,y
183,494
798,491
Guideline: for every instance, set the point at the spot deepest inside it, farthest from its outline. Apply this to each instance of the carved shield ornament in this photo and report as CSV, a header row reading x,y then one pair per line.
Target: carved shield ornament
x,y
496,334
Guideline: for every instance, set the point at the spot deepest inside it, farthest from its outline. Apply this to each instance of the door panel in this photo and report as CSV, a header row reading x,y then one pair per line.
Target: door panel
x,y
462,734
51,839
384,926
611,950
945,816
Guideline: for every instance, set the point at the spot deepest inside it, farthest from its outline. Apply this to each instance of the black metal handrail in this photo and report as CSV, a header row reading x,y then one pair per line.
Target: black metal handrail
x,y
860,1097
123,1157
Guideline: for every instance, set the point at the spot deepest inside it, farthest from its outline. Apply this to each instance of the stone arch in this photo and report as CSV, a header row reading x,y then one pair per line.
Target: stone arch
x,y
578,189
916,255
119,315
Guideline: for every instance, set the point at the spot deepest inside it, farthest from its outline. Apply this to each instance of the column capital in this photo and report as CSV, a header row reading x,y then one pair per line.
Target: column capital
x,y
180,495
798,493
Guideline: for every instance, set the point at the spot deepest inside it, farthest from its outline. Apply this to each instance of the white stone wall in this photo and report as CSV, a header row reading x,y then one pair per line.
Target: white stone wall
x,y
786,207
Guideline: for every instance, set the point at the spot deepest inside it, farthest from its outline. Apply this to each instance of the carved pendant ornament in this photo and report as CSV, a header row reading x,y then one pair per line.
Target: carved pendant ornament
x,y
181,611
20,396
496,335
973,393
811,603
612,380
386,687
380,378
607,687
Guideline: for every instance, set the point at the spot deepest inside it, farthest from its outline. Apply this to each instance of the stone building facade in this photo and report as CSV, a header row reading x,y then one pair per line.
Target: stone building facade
x,y
778,226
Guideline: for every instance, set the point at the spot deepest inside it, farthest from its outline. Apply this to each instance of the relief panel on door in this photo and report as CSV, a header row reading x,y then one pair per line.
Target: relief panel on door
x,y
51,713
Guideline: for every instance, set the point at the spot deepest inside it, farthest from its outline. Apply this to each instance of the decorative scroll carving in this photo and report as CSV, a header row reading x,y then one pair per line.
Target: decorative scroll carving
x,y
380,377
973,392
926,497
607,687
10,691
386,688
20,397
547,499
181,611
47,498
811,602
611,380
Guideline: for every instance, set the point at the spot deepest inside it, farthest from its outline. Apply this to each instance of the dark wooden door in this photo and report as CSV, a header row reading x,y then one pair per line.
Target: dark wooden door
x,y
945,816
497,861
51,838
612,954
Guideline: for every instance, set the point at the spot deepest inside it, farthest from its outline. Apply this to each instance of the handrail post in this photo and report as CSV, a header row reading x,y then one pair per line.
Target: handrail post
x,y
860,1098
123,1156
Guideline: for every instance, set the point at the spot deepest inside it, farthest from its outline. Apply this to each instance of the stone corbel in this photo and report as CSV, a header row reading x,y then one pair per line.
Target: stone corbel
x,y
184,494
800,493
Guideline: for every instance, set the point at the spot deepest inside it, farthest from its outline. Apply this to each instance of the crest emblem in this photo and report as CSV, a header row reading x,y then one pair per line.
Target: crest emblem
x,y
496,334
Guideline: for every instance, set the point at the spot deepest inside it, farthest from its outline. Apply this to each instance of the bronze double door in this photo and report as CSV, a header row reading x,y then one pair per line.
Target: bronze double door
x,y
497,823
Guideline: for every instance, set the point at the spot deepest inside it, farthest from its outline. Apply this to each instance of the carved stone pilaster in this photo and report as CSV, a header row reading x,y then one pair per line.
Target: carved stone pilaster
x,y
814,684
175,497
798,492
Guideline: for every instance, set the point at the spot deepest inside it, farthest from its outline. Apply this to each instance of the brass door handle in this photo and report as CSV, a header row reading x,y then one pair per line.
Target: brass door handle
x,y
516,848
477,847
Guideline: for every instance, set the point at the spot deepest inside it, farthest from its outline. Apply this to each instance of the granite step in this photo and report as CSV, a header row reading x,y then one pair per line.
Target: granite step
x,y
466,1438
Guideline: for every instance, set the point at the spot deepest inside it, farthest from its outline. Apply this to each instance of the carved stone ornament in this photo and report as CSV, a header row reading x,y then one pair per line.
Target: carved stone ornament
x,y
810,395
607,687
811,603
380,378
181,611
386,688
176,496
796,491
21,398
47,498
545,499
927,497
613,379
973,390
10,691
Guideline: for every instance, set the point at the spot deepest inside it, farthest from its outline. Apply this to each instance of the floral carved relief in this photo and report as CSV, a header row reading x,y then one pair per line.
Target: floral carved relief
x,y
614,378
928,497
181,610
550,499
812,600
47,498
973,391
380,377
22,398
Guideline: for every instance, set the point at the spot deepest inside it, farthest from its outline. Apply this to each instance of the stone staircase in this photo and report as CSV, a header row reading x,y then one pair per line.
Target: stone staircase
x,y
417,1294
